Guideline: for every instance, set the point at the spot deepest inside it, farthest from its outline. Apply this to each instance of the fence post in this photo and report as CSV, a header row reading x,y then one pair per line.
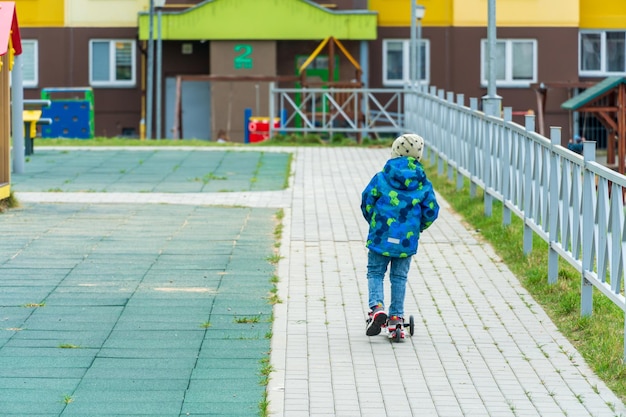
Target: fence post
x,y
415,117
589,190
443,151
272,110
414,113
365,114
431,114
472,130
488,141
528,183
452,152
305,96
553,206
506,167
328,115
461,142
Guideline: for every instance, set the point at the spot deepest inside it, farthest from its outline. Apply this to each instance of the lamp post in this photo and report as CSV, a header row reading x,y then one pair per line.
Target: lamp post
x,y
159,4
492,101
415,65
149,81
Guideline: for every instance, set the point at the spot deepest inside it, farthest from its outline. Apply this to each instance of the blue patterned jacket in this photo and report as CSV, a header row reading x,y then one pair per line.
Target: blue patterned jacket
x,y
399,203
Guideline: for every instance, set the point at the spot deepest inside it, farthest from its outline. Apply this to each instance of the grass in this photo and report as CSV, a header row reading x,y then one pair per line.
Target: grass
x,y
34,305
288,171
266,370
209,177
8,203
278,230
278,140
317,140
273,299
599,338
102,141
248,320
274,259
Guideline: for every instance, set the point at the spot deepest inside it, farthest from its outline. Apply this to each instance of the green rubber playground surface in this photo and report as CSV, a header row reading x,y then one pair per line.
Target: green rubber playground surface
x,y
158,170
134,310
137,309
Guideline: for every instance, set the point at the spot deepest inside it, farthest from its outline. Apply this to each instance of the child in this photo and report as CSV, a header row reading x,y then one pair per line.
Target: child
x,y
398,203
222,136
576,145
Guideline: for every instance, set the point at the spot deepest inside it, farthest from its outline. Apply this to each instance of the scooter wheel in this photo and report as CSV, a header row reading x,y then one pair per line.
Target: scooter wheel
x,y
397,336
411,325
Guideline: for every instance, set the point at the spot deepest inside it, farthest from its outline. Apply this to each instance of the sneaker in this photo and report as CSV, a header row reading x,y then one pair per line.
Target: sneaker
x,y
375,321
395,323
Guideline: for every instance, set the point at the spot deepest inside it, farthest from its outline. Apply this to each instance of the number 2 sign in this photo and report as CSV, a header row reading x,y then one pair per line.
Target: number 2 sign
x,y
243,60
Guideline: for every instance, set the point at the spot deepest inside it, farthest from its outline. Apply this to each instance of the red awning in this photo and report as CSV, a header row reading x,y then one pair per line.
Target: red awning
x,y
9,27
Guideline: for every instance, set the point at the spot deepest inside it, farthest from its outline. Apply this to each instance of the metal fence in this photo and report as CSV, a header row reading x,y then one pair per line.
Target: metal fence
x,y
329,111
572,202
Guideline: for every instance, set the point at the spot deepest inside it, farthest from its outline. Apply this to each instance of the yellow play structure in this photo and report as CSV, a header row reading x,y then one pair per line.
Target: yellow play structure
x,y
10,45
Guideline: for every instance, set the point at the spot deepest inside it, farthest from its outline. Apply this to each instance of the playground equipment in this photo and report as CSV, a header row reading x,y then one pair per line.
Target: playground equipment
x,y
606,100
32,118
360,111
300,80
257,129
336,103
72,113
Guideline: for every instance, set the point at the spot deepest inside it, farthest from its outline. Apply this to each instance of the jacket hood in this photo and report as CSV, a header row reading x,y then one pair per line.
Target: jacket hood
x,y
404,173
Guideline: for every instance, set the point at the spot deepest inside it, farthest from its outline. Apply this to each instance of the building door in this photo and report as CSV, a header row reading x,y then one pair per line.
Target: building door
x,y
195,109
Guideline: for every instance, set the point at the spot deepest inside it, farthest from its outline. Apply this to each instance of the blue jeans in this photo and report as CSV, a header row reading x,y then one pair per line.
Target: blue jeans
x,y
376,270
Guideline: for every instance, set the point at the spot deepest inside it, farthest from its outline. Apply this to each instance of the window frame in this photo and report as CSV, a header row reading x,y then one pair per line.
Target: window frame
x,y
112,82
602,72
508,81
31,83
406,52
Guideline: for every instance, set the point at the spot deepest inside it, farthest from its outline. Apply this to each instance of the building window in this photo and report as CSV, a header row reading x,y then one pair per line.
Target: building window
x,y
516,62
30,63
396,59
112,63
602,53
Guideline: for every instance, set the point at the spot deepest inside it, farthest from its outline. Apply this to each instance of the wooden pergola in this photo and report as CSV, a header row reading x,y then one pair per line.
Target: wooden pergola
x,y
606,100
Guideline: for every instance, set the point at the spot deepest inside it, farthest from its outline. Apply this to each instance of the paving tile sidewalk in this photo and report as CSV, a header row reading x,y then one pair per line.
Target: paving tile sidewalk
x,y
482,346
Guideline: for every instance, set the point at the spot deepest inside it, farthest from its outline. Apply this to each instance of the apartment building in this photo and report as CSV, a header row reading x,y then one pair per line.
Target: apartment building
x,y
547,52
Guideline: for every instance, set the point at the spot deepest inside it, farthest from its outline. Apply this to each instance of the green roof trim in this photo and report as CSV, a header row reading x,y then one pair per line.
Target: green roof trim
x,y
262,20
592,93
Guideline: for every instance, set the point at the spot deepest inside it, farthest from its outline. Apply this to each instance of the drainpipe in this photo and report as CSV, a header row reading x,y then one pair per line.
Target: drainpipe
x,y
150,86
